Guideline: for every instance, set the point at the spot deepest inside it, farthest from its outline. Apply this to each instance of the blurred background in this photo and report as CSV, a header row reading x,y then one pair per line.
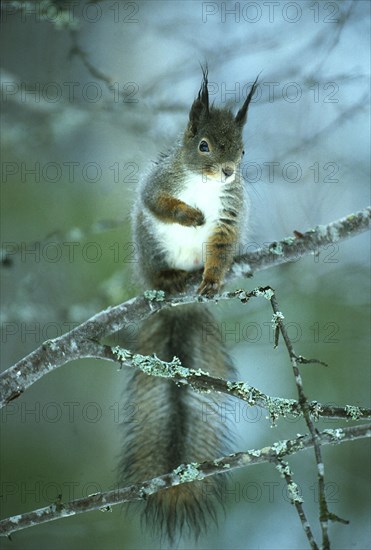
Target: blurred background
x,y
91,92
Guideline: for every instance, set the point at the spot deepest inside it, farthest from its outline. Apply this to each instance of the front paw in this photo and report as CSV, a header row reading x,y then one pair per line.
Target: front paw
x,y
192,217
199,218
208,287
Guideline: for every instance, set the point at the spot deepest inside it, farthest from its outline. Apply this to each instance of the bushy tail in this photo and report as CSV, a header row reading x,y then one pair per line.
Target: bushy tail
x,y
176,425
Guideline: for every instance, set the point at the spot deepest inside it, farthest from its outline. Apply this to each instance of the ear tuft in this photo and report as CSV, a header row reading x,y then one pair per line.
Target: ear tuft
x,y
203,94
241,116
200,106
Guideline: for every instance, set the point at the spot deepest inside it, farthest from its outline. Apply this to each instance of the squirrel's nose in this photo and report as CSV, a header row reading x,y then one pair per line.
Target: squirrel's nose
x,y
227,171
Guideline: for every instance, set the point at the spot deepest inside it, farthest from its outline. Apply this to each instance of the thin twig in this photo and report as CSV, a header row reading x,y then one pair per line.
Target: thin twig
x,y
83,56
325,515
296,500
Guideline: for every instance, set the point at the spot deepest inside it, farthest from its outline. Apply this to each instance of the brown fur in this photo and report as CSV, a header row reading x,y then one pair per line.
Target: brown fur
x,y
170,210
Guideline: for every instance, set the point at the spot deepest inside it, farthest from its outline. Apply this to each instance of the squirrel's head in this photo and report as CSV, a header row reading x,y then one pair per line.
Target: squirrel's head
x,y
212,144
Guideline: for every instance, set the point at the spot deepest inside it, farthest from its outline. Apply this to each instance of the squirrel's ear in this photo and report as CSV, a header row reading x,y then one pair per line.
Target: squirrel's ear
x,y
241,116
200,106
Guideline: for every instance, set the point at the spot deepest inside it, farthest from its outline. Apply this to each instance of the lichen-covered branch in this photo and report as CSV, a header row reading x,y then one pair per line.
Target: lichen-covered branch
x,y
302,244
82,342
202,381
77,343
182,474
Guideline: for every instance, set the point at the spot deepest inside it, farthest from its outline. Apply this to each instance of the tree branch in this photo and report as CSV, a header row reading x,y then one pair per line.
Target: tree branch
x,y
310,242
81,341
55,353
183,474
202,381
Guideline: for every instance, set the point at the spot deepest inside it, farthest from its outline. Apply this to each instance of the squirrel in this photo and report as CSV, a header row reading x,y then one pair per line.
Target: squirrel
x,y
188,216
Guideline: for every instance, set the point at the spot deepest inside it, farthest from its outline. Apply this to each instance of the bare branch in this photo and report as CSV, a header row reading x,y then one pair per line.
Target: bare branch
x,y
77,51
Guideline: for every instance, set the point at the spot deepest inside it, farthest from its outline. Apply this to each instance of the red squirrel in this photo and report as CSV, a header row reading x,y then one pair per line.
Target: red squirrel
x,y
188,216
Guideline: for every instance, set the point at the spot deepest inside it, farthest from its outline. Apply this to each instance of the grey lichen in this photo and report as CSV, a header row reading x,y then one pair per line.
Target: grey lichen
x,y
156,367
254,452
353,411
242,388
293,492
280,447
266,293
154,295
200,372
321,230
289,240
276,248
283,468
189,472
152,487
315,410
328,230
51,344
281,407
276,317
245,391
336,434
292,488
121,353
16,519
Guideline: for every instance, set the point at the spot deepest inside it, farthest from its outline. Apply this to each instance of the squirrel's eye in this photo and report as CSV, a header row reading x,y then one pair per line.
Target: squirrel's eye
x,y
204,146
243,152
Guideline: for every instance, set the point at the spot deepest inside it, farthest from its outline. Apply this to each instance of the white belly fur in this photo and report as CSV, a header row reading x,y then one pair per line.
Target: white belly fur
x,y
186,246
